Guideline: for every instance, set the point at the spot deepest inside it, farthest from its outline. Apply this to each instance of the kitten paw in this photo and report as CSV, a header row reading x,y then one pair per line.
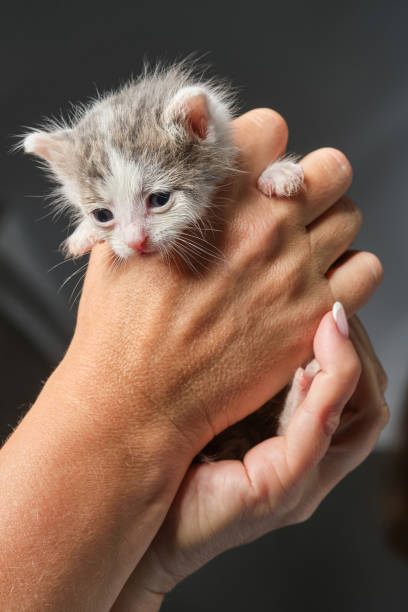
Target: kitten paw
x,y
298,390
82,239
282,179
77,245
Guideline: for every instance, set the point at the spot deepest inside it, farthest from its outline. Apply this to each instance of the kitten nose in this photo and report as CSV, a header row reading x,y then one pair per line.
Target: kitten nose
x,y
138,245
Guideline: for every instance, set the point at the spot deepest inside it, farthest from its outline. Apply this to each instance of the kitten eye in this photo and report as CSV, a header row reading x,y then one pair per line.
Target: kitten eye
x,y
159,201
102,215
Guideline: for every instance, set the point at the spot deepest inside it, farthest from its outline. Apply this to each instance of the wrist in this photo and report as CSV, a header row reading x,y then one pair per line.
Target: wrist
x,y
88,495
123,413
131,442
135,400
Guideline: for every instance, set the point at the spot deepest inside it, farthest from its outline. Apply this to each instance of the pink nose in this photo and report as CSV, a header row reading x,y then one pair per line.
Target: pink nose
x,y
138,245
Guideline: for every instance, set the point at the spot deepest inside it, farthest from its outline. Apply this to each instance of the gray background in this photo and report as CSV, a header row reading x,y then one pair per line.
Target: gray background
x,y
338,74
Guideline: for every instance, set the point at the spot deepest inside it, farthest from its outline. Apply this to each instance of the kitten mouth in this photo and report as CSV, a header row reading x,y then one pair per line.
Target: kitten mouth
x,y
145,251
142,247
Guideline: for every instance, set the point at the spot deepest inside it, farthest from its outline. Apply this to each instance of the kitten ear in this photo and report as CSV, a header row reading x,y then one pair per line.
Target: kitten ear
x,y
190,108
51,146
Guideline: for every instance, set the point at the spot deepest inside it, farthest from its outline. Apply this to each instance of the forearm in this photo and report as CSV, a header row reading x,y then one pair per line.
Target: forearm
x,y
81,500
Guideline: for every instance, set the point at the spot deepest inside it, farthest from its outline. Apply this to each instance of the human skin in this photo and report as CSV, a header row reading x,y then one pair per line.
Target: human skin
x,y
156,367
281,481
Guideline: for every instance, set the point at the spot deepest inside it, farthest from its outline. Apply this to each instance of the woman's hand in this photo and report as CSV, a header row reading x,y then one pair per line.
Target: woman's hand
x,y
197,354
282,480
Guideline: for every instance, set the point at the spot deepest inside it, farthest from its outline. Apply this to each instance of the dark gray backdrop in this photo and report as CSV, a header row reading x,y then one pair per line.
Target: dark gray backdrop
x,y
338,74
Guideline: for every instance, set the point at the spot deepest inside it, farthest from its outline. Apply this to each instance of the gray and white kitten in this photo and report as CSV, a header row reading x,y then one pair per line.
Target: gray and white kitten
x,y
138,167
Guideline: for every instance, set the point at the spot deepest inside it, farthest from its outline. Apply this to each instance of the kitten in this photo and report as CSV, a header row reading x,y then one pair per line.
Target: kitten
x,y
138,167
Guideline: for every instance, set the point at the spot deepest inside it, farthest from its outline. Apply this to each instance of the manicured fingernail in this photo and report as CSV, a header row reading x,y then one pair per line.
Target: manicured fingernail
x,y
339,316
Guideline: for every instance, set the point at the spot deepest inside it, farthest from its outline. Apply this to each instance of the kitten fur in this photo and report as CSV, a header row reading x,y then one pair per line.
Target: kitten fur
x,y
168,132
164,132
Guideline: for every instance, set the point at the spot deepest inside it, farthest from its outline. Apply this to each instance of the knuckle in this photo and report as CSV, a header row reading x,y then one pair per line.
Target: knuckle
x,y
353,214
268,118
340,160
351,209
384,414
354,210
383,379
375,266
358,215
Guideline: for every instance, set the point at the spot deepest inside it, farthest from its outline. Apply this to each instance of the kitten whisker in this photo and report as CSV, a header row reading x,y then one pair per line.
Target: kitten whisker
x,y
79,291
197,252
60,263
114,262
210,229
201,255
175,255
206,247
188,261
72,276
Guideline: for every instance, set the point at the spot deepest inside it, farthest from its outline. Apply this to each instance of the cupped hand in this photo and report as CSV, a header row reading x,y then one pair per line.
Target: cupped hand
x,y
282,480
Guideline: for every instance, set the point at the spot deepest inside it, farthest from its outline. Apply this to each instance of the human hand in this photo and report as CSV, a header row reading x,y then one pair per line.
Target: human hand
x,y
282,480
173,344
159,363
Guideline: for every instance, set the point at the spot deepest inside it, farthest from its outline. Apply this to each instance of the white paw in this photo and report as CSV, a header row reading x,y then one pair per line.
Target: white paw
x,y
299,388
283,178
75,246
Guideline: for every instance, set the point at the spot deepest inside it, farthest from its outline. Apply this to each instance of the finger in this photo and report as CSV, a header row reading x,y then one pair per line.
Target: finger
x,y
362,422
368,400
363,345
261,135
334,232
366,415
327,176
354,279
309,432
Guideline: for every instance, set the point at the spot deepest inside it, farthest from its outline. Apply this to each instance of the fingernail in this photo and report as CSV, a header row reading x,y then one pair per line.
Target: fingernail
x,y
339,316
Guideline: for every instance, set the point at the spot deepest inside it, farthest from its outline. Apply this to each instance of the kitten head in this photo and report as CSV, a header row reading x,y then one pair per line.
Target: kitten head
x,y
140,165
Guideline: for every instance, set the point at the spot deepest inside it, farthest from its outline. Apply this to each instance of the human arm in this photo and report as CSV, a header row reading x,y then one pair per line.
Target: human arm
x,y
155,368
